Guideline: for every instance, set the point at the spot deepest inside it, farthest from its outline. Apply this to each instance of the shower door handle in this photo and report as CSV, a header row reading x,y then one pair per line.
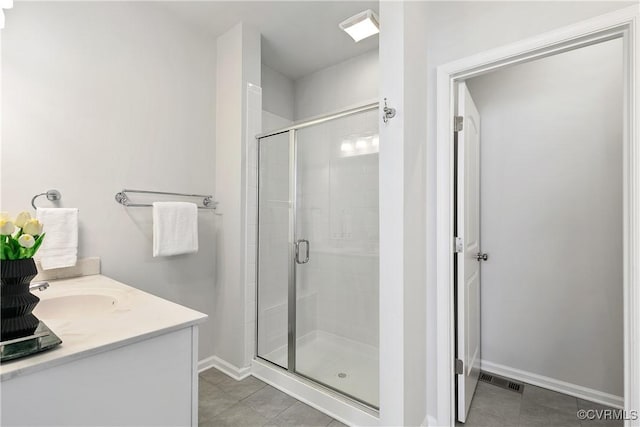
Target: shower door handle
x,y
306,257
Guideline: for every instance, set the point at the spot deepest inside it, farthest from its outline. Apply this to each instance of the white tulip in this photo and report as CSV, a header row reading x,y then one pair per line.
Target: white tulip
x,y
26,241
22,218
6,227
5,216
33,227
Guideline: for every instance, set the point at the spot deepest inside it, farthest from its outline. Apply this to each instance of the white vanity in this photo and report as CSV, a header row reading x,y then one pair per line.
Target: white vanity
x,y
127,358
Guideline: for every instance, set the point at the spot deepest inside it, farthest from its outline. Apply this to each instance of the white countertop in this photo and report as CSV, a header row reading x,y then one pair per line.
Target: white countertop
x,y
134,316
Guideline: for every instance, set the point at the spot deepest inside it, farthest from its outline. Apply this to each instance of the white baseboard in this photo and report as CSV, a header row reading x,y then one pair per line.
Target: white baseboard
x,y
225,367
553,384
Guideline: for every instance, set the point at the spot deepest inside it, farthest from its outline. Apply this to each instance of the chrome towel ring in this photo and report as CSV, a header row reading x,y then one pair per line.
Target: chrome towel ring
x,y
52,195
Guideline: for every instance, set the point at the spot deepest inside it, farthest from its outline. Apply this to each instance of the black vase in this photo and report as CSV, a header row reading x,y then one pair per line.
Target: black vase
x,y
16,302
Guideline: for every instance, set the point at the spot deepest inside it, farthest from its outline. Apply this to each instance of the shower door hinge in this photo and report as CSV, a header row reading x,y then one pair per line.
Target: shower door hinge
x,y
459,367
459,245
457,123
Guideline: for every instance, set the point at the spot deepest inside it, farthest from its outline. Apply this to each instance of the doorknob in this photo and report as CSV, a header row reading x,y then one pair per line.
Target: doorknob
x,y
482,257
306,257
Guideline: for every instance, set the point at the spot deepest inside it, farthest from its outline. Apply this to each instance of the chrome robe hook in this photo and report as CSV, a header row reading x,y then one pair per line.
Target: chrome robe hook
x,y
388,112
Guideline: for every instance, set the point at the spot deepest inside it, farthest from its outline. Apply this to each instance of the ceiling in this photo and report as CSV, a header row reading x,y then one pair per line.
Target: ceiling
x,y
298,37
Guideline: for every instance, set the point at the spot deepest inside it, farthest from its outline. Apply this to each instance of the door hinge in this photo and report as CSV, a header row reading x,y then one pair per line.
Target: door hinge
x,y
459,367
457,123
459,245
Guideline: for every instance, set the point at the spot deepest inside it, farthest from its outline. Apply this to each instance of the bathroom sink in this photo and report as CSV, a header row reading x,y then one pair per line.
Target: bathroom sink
x,y
76,306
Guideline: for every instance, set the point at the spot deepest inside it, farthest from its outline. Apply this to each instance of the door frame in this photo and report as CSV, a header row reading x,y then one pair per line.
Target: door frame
x,y
624,24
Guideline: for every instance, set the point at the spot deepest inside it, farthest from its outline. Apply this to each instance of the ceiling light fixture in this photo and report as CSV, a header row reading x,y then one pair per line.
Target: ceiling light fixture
x,y
362,25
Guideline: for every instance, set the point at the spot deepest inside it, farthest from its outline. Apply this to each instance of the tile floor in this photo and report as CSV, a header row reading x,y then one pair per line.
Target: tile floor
x,y
251,402
493,406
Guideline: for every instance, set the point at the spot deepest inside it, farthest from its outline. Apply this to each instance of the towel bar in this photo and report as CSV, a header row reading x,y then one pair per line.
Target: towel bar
x,y
123,199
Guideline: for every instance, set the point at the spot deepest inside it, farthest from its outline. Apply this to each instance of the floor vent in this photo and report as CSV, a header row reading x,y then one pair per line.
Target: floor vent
x,y
485,377
501,382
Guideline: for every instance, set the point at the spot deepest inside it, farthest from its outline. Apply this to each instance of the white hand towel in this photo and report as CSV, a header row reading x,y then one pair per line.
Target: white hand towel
x,y
175,228
60,245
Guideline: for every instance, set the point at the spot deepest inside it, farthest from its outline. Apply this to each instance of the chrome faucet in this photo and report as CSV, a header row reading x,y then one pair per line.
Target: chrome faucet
x,y
41,286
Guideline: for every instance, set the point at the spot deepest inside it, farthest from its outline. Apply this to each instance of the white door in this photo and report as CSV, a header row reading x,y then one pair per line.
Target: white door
x,y
467,250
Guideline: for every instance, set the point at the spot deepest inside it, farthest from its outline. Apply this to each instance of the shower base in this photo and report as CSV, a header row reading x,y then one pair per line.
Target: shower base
x,y
345,365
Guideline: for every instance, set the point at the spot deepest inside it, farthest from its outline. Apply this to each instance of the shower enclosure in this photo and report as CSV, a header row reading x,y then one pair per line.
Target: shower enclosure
x,y
318,251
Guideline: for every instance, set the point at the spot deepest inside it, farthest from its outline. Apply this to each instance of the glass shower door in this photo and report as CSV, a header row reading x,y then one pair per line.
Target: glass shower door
x,y
337,255
274,254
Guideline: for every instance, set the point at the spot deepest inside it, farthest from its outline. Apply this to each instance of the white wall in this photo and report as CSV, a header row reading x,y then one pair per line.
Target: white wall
x,y
98,97
330,89
337,87
415,110
271,122
238,118
456,30
551,216
403,379
277,99
278,93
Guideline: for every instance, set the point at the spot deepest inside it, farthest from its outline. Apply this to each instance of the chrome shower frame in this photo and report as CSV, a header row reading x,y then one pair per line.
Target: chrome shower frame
x,y
291,298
